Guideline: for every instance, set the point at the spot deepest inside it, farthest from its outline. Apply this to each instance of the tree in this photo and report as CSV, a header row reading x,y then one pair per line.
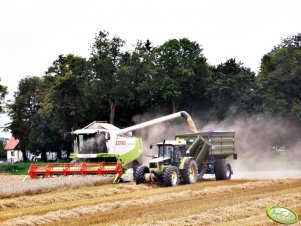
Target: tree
x,y
145,78
66,103
141,68
2,151
71,64
66,98
232,87
106,60
280,78
21,111
45,135
182,70
3,93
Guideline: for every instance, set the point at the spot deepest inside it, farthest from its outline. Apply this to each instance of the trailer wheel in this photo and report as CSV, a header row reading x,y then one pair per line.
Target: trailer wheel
x,y
139,174
171,176
222,170
189,173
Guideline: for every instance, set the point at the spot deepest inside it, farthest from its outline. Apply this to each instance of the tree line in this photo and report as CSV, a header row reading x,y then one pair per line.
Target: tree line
x,y
114,84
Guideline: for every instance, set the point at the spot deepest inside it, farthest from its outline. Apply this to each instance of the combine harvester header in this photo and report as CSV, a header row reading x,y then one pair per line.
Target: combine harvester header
x,y
102,148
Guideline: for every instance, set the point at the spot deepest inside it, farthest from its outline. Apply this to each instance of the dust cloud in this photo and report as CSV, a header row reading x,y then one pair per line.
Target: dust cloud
x,y
267,147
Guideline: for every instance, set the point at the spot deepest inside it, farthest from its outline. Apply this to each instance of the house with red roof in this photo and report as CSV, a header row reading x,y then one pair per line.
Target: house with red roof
x,y
14,154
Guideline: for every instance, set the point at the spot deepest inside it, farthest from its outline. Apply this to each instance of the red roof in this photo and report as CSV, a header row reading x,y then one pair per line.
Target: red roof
x,y
11,144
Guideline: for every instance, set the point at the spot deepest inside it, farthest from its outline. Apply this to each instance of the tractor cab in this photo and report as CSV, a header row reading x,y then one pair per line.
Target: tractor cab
x,y
169,154
172,150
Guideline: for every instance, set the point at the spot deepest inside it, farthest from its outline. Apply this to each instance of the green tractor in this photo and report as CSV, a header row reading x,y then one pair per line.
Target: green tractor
x,y
168,166
188,158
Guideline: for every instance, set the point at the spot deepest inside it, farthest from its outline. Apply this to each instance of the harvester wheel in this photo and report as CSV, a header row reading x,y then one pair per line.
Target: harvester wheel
x,y
171,176
189,173
222,170
139,174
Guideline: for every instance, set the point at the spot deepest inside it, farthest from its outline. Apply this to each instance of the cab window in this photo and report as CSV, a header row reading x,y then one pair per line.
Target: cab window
x,y
165,150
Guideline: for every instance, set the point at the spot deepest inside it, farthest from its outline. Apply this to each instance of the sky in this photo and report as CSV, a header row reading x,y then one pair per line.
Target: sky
x,y
33,32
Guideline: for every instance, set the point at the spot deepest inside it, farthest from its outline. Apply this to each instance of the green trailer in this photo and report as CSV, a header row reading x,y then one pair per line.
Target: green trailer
x,y
187,158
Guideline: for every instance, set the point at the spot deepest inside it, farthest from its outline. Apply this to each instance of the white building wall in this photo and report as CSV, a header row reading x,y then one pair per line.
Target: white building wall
x,y
14,156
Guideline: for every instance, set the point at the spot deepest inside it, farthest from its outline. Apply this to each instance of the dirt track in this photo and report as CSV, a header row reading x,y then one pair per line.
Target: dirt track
x,y
234,202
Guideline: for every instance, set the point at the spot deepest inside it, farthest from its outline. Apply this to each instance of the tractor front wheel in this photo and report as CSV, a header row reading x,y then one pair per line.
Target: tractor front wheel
x,y
190,172
140,173
171,176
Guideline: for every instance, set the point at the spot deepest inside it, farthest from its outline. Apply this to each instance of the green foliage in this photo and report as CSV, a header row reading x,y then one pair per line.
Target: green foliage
x,y
27,102
182,71
280,78
65,105
69,64
107,69
2,151
15,169
145,90
232,89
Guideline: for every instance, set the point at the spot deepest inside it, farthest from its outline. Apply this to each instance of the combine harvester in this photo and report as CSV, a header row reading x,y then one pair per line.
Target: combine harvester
x,y
101,148
187,158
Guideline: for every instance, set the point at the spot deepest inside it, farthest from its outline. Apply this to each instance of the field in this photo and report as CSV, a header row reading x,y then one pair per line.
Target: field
x,y
93,200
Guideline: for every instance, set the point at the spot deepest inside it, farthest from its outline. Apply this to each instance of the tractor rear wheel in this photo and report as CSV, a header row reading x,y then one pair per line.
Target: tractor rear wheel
x,y
171,176
139,174
222,170
189,173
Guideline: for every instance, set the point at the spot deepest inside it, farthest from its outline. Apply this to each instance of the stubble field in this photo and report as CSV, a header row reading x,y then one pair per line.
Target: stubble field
x,y
95,201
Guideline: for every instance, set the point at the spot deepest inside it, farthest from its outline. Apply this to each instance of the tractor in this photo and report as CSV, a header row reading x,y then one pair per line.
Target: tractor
x,y
188,157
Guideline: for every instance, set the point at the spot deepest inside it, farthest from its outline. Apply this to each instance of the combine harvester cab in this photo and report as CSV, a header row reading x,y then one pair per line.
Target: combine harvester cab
x,y
187,158
101,148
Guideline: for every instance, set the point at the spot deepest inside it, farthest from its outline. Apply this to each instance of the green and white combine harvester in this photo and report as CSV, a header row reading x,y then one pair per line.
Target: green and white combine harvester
x,y
101,148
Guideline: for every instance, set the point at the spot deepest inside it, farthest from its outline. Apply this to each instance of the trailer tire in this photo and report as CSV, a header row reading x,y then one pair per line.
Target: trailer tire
x,y
139,174
171,176
222,170
190,172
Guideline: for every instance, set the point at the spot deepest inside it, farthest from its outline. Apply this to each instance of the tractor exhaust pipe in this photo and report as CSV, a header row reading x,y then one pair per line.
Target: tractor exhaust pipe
x,y
183,114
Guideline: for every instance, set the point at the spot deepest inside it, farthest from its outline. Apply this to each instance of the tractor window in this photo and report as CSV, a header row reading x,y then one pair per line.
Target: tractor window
x,y
176,155
165,150
177,152
92,143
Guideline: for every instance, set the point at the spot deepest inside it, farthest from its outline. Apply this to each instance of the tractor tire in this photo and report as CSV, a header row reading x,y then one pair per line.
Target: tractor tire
x,y
222,170
171,176
139,174
190,172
